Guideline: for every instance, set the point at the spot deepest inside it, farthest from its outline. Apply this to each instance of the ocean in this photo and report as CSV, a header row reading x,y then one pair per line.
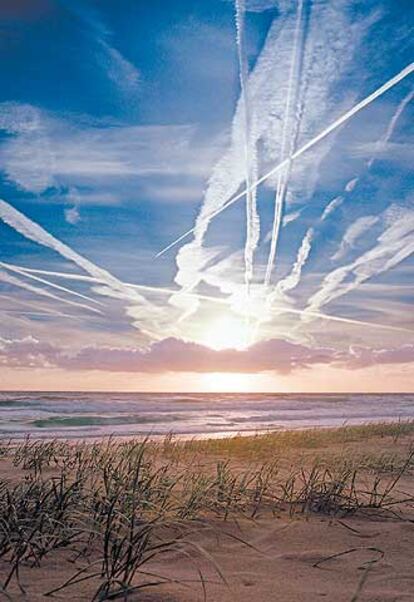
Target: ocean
x,y
84,415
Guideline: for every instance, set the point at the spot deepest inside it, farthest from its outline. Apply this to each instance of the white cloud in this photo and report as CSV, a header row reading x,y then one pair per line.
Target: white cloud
x,y
332,38
396,153
290,217
354,231
72,215
123,73
332,206
46,151
293,278
395,244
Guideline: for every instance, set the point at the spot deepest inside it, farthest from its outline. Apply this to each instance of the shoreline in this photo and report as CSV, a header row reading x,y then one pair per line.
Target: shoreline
x,y
178,438
199,436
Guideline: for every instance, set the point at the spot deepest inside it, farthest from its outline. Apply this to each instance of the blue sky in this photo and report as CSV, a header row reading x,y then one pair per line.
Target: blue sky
x,y
125,124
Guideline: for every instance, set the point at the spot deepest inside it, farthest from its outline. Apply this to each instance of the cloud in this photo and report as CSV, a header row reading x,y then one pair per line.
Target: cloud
x,y
149,315
123,73
354,231
72,215
28,352
331,207
26,156
395,153
360,357
174,355
258,6
97,157
33,231
290,217
331,39
393,245
293,278
169,355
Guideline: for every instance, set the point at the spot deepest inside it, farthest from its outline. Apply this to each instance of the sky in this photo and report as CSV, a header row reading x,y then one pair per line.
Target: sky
x,y
206,195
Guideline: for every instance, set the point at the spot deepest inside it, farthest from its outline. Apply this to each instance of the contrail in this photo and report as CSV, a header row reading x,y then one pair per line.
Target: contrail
x,y
394,245
142,287
268,88
332,127
292,280
391,126
252,217
223,301
210,298
31,230
66,275
34,305
14,281
322,316
281,308
23,272
21,312
283,176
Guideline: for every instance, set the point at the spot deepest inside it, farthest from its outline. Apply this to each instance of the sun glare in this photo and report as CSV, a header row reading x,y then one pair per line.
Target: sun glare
x,y
226,382
228,332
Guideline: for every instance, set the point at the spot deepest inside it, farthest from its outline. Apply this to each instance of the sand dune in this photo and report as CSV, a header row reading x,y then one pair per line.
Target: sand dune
x,y
286,553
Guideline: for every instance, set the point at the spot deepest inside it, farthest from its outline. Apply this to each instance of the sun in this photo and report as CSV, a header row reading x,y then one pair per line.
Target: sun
x,y
227,332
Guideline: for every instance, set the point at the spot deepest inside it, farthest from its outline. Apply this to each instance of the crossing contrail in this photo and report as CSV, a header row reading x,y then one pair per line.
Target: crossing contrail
x,y
322,316
15,281
222,301
283,176
22,272
66,275
252,216
293,279
169,291
33,305
393,81
280,308
33,231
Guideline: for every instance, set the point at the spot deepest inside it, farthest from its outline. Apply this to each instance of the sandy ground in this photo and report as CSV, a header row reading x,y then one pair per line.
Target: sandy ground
x,y
273,558
280,567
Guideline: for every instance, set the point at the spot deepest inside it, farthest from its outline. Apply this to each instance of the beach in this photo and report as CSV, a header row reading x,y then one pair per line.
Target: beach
x,y
289,516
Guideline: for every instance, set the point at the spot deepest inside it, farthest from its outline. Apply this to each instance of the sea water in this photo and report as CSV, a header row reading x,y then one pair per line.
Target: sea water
x,y
83,415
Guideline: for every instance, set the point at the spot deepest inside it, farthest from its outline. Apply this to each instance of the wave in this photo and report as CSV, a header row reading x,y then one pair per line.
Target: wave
x,y
134,413
82,421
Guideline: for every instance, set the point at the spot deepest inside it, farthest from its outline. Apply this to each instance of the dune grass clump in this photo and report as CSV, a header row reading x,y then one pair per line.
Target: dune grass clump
x,y
275,443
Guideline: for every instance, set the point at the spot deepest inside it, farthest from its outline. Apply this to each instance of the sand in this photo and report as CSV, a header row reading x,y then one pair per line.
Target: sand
x,y
280,568
307,558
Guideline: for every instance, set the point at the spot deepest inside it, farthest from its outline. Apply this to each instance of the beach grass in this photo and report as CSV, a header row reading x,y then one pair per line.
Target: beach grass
x,y
109,509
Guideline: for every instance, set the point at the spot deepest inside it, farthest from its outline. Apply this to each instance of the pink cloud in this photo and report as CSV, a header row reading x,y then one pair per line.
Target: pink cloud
x,y
174,355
